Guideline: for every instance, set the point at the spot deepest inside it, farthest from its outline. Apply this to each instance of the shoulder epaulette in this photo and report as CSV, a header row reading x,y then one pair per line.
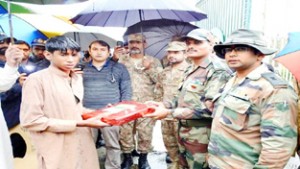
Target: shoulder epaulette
x,y
221,65
276,81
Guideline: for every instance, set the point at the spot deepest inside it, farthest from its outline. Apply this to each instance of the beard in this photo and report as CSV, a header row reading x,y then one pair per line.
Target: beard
x,y
174,61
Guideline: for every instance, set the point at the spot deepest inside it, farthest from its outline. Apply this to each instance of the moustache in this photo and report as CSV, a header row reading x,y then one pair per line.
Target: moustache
x,y
191,50
135,51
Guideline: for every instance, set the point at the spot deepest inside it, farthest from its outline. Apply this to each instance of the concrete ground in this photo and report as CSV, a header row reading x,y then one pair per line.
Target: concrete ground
x,y
156,158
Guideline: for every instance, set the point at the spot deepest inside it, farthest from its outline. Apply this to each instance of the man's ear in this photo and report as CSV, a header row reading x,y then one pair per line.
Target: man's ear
x,y
145,44
48,55
260,56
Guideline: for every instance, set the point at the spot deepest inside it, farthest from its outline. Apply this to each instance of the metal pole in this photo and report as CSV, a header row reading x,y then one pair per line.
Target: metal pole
x,y
10,23
141,20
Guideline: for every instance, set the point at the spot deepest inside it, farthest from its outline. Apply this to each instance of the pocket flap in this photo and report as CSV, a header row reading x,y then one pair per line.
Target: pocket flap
x,y
236,103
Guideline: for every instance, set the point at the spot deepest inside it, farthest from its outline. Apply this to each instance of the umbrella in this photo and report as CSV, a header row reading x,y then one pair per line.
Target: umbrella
x,y
7,7
54,9
126,13
30,26
159,33
290,55
49,1
14,8
85,38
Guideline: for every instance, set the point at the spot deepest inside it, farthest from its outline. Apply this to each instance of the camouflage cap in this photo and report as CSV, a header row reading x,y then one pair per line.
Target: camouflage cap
x,y
136,37
176,46
200,35
247,37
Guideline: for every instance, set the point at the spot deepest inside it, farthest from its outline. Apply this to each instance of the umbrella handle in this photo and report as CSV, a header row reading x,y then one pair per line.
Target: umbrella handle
x,y
10,23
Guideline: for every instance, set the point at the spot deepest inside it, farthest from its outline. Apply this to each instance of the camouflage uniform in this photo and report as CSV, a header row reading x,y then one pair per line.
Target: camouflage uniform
x,y
201,83
143,84
168,83
254,123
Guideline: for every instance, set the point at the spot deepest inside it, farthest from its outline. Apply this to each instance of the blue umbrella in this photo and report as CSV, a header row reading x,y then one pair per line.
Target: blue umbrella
x,y
289,56
124,13
22,29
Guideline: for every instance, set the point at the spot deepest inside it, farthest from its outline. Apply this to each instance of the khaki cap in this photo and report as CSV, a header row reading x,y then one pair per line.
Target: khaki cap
x,y
176,46
136,37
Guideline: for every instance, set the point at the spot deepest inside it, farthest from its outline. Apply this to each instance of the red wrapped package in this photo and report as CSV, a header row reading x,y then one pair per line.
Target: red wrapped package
x,y
121,113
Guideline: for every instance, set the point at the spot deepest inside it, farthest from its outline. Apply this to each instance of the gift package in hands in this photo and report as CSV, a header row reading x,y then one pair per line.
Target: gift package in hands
x,y
120,113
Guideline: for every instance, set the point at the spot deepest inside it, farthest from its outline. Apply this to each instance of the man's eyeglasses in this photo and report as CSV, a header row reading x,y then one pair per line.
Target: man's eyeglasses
x,y
236,49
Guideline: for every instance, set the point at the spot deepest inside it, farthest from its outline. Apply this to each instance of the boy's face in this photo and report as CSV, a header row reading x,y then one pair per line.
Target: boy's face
x,y
98,52
64,61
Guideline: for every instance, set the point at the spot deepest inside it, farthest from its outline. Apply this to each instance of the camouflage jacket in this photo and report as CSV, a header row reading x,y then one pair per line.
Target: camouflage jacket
x,y
168,82
143,81
254,123
200,83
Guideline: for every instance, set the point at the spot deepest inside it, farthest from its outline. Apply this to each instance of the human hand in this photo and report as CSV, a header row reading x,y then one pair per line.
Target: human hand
x,y
13,56
209,105
22,78
78,71
118,52
160,110
147,63
109,105
94,122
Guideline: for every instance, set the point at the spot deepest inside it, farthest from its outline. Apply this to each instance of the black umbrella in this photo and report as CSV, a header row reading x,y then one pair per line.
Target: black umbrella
x,y
159,33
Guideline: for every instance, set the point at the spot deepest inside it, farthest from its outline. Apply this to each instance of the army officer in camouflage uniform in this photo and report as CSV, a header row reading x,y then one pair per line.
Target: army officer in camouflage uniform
x,y
167,86
254,122
202,81
143,70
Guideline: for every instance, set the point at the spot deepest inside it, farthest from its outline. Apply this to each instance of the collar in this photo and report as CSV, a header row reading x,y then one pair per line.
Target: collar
x,y
204,64
90,64
58,72
256,73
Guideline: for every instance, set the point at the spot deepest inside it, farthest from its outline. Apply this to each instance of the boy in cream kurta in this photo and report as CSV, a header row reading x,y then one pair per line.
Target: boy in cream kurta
x,y
51,111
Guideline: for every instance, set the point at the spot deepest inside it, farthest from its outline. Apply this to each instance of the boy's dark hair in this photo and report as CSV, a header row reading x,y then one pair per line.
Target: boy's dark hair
x,y
101,42
61,43
21,42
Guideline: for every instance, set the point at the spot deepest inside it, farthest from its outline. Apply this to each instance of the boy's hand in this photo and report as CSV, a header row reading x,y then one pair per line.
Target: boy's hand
x,y
94,122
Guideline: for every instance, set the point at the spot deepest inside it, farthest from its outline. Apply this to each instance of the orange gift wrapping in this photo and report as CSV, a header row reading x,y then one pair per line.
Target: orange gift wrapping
x,y
120,113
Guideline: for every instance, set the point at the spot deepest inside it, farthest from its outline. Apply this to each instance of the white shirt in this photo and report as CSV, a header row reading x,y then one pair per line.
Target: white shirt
x,y
8,76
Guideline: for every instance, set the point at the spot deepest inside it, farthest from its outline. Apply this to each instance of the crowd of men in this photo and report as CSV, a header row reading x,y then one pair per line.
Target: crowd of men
x,y
221,106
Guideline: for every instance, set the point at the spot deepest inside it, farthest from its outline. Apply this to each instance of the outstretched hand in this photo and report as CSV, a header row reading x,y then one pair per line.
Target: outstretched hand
x,y
94,122
160,110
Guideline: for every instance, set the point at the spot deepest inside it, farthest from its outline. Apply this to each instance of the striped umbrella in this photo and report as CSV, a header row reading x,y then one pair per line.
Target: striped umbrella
x,y
290,55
